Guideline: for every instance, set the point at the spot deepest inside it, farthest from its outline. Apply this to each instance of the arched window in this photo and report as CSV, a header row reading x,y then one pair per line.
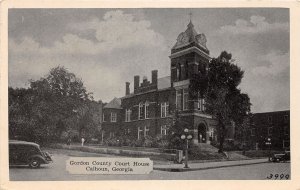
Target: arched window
x,y
186,70
178,71
146,110
141,111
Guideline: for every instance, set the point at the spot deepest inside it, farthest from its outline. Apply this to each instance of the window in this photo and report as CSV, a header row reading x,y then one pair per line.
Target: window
x,y
111,134
270,131
252,131
270,119
286,118
179,99
163,130
127,131
200,103
178,72
113,117
128,115
103,118
286,130
185,99
164,109
146,131
140,132
186,70
146,110
141,111
211,133
286,144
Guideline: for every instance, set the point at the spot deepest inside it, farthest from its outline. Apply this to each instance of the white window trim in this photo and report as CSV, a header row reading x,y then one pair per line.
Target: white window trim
x,y
139,130
128,115
140,107
164,108
163,128
113,119
184,93
146,129
146,110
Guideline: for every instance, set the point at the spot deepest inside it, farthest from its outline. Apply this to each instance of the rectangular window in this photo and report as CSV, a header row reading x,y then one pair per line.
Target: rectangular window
x,y
146,110
270,119
200,103
146,131
141,111
286,118
111,134
179,100
270,131
128,115
286,130
163,130
103,118
252,132
113,117
185,99
286,144
127,131
140,133
164,109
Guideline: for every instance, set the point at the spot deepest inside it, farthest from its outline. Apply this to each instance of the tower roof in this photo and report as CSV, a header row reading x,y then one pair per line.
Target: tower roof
x,y
190,36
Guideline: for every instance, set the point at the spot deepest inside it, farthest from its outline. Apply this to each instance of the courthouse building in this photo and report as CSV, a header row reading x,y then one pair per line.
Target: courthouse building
x,y
148,109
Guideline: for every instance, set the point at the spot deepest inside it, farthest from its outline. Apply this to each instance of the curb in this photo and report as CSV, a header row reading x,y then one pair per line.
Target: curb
x,y
204,168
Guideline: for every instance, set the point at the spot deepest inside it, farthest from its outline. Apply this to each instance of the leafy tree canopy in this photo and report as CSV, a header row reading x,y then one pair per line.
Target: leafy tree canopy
x,y
219,86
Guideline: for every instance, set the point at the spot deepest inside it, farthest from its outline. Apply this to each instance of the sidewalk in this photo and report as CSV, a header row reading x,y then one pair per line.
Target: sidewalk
x,y
207,165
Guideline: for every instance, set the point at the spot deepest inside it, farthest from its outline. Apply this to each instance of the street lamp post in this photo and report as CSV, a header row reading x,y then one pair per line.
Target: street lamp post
x,y
186,136
269,145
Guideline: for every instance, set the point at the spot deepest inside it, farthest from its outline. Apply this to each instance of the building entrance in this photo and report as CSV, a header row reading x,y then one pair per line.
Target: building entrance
x,y
202,133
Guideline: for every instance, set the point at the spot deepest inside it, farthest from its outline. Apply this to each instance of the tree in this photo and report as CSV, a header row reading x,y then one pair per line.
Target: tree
x,y
52,108
176,130
218,85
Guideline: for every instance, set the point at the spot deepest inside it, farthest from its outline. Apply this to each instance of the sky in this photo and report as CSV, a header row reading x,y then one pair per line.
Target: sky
x,y
107,47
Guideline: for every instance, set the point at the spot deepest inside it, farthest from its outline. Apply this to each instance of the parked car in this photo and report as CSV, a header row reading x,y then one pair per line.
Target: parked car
x,y
27,153
283,157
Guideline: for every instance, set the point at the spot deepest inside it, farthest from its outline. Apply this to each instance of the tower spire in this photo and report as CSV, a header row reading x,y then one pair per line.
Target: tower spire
x,y
190,25
191,14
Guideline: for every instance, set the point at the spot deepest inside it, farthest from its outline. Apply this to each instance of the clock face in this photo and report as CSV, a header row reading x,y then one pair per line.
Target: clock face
x,y
185,38
180,37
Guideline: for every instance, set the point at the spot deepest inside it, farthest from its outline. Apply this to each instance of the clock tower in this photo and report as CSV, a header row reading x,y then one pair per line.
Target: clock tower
x,y
188,56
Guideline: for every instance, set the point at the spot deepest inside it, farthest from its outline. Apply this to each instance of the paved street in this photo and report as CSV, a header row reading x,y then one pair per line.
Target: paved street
x,y
57,171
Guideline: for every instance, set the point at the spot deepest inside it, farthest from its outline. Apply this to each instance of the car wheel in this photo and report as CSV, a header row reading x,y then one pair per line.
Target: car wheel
x,y
271,159
34,163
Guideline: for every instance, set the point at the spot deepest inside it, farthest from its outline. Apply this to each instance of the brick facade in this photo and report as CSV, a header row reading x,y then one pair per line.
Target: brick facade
x,y
273,125
152,103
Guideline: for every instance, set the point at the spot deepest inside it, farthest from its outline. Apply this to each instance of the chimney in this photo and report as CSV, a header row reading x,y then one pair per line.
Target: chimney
x,y
127,89
154,77
136,82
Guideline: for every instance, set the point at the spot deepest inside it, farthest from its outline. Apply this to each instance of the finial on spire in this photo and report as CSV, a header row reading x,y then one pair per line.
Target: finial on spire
x,y
191,14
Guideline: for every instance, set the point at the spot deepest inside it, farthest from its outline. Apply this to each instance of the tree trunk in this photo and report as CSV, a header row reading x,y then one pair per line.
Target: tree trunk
x,y
221,135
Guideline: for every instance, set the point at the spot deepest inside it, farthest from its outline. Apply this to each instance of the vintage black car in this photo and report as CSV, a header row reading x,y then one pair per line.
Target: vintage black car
x,y
27,153
283,157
